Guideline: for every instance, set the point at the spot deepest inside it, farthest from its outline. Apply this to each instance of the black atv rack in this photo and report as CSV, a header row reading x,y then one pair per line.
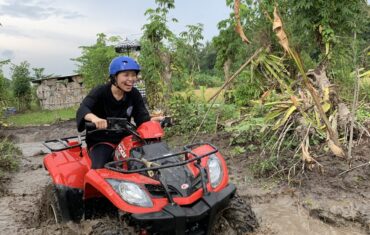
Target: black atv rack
x,y
50,144
115,165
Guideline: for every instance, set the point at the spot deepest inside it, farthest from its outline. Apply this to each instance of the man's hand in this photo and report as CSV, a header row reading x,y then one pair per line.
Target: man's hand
x,y
99,122
157,118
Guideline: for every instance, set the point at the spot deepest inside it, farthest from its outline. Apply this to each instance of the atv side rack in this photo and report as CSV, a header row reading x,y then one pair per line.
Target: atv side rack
x,y
114,166
50,144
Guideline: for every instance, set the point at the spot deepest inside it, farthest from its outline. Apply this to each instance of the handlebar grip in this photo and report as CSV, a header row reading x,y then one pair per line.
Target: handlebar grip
x,y
90,126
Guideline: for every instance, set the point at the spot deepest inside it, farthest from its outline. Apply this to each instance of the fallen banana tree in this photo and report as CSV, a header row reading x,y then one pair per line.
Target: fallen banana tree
x,y
303,107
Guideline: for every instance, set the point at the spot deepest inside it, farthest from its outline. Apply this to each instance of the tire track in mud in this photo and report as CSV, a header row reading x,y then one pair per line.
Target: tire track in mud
x,y
283,210
19,206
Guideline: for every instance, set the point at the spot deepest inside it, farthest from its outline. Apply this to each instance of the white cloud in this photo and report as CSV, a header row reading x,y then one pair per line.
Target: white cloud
x,y
36,10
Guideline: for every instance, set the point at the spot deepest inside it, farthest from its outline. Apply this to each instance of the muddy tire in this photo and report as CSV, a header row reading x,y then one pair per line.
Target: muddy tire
x,y
236,219
56,213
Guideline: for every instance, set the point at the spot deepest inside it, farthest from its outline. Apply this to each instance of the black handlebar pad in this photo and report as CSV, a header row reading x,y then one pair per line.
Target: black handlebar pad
x,y
90,126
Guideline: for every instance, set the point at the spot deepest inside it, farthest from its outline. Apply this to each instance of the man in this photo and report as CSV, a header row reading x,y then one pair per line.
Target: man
x,y
116,99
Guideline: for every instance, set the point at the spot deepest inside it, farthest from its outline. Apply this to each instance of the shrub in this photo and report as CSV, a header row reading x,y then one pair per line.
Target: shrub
x,y
9,160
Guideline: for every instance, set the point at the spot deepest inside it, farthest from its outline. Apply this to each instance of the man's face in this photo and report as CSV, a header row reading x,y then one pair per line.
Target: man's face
x,y
126,80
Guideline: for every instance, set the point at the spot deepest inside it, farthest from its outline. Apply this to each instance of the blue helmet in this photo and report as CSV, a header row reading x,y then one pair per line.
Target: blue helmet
x,y
123,63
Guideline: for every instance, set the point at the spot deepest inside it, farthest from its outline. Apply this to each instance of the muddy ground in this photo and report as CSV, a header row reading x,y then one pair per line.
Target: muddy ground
x,y
318,202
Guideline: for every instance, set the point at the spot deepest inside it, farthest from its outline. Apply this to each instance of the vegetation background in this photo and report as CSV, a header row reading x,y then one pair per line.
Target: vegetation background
x,y
266,102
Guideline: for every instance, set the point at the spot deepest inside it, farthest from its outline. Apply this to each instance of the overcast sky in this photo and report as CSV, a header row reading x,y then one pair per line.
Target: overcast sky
x,y
48,33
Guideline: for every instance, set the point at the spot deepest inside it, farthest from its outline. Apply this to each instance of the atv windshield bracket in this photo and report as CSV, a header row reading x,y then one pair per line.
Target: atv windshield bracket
x,y
162,180
50,144
203,176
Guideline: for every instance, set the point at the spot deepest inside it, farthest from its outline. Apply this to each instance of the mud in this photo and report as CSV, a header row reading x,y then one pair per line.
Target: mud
x,y
319,202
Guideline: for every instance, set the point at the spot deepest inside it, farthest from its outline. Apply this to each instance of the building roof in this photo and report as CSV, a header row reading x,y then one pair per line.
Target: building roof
x,y
57,78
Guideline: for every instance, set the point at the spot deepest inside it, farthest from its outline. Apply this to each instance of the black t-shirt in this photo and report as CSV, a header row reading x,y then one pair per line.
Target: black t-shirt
x,y
101,102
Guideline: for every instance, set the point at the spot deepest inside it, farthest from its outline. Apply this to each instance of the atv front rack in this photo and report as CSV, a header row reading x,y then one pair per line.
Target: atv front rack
x,y
188,150
114,166
64,142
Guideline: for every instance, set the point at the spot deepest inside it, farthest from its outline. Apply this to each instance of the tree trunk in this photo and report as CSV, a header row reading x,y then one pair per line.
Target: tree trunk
x,y
227,94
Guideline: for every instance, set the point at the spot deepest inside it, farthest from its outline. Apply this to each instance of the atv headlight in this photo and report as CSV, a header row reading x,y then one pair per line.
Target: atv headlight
x,y
214,170
131,193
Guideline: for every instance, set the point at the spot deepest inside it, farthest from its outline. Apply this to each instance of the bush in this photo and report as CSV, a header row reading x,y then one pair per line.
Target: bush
x,y
203,79
188,112
247,88
9,160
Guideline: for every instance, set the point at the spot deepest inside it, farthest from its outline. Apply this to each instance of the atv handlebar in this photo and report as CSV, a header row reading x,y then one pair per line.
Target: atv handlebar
x,y
90,126
114,125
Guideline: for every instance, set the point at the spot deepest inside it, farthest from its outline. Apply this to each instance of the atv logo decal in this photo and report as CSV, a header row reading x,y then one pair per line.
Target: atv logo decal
x,y
121,150
184,186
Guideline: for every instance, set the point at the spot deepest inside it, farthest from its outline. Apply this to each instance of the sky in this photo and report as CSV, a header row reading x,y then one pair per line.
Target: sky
x,y
48,33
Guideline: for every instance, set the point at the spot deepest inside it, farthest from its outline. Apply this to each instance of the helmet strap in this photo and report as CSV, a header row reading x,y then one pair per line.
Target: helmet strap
x,y
113,81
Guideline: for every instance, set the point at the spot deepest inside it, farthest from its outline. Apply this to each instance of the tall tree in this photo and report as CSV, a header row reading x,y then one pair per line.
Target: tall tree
x,y
21,81
155,56
193,38
38,73
94,62
4,86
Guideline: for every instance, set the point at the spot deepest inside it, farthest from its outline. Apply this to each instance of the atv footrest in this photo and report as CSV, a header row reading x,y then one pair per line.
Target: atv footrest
x,y
190,219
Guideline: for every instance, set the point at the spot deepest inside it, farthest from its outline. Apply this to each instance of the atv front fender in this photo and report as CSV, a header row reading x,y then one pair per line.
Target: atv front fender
x,y
65,169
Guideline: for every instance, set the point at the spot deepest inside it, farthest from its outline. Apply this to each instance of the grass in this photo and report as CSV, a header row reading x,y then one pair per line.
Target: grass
x,y
206,94
41,117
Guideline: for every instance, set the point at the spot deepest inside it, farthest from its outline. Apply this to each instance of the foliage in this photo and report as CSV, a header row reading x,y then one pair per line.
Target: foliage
x,y
41,117
207,58
9,159
248,88
94,62
154,56
192,45
21,85
4,86
203,79
363,114
188,112
263,167
247,130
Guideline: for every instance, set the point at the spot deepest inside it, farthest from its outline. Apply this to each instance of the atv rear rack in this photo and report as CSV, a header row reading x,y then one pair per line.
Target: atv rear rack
x,y
50,144
114,166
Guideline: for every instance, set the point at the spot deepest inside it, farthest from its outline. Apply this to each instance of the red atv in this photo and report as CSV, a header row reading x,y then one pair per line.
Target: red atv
x,y
150,188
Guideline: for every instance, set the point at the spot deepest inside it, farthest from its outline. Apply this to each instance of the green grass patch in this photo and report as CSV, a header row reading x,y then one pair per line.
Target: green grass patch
x,y
204,93
41,117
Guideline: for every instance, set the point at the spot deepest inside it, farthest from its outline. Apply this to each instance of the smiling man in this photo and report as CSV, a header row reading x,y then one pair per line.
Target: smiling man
x,y
118,98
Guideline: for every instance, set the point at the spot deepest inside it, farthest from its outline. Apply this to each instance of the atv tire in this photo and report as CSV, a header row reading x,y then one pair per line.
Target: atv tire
x,y
55,211
236,219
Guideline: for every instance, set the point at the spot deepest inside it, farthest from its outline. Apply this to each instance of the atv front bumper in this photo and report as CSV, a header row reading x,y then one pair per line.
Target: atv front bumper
x,y
191,219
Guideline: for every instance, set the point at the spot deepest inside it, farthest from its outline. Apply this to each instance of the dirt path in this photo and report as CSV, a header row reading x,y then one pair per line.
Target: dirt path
x,y
326,205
